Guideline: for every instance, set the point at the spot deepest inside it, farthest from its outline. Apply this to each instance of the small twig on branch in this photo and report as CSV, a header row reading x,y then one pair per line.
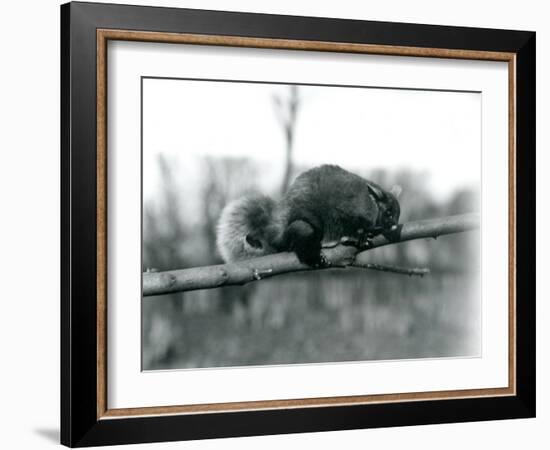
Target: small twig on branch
x,y
415,271
242,272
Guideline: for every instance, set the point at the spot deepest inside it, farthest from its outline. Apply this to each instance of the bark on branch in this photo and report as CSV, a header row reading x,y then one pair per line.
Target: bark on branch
x,y
242,272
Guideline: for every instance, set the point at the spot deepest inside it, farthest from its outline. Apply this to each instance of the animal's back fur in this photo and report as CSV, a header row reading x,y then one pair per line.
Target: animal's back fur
x,y
336,201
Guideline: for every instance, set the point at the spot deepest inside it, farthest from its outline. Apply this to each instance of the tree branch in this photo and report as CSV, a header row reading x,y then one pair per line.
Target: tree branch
x,y
242,272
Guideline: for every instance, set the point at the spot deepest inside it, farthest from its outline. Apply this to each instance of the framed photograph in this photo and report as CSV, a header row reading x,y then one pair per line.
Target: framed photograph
x,y
278,224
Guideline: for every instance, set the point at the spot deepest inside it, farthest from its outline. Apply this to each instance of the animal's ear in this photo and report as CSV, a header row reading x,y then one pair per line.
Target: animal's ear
x,y
396,190
253,242
376,192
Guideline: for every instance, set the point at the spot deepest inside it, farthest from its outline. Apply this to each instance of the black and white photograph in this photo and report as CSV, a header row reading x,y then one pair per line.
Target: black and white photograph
x,y
271,225
301,224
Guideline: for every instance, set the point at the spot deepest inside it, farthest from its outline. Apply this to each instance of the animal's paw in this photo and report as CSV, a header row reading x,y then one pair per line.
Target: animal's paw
x,y
311,256
324,261
349,241
364,241
394,233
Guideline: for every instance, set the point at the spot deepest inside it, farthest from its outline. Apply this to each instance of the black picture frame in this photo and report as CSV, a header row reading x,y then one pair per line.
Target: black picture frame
x,y
80,425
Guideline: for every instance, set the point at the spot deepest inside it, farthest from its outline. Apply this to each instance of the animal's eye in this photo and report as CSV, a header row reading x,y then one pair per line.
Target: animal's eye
x,y
253,242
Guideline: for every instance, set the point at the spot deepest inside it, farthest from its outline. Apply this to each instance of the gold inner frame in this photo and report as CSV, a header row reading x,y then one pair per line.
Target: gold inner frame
x,y
104,35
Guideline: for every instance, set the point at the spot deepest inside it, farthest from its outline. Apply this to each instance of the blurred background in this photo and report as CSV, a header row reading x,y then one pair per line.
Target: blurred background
x,y
206,143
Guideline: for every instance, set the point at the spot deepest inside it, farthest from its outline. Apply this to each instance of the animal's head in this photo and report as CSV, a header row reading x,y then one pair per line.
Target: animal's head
x,y
245,228
388,206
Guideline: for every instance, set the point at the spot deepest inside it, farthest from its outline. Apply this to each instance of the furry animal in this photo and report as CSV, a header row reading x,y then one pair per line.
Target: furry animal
x,y
325,206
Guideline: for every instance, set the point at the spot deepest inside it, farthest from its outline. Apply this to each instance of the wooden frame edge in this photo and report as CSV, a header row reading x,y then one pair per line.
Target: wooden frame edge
x,y
103,35
512,199
304,403
290,44
101,223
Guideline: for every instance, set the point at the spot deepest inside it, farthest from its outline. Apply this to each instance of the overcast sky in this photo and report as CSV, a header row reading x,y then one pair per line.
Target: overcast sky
x,y
438,133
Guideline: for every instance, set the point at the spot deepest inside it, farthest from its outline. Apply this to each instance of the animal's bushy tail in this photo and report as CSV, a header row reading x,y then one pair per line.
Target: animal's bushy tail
x,y
245,228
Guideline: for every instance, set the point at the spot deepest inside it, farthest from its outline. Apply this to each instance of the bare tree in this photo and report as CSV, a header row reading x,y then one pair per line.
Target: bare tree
x,y
223,180
287,111
165,229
